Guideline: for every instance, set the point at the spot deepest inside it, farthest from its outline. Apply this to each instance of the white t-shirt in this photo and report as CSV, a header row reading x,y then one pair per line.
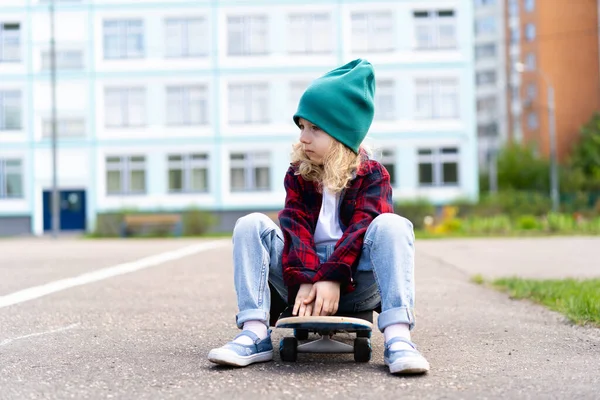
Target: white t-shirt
x,y
328,229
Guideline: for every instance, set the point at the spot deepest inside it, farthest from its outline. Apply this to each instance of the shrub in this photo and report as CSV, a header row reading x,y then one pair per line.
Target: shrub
x,y
585,155
466,207
517,203
499,224
528,222
197,222
591,226
415,211
519,168
571,179
559,223
452,225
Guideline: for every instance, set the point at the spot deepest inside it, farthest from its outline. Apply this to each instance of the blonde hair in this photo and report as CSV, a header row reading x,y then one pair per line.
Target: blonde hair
x,y
337,170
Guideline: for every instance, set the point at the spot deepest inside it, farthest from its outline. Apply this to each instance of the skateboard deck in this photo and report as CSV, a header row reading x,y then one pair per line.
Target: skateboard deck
x,y
326,327
329,323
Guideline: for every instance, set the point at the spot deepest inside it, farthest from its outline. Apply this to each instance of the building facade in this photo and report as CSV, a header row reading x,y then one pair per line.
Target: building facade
x,y
166,105
490,77
555,45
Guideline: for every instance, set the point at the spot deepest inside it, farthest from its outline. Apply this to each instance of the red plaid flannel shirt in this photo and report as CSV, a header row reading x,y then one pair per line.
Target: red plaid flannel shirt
x,y
368,195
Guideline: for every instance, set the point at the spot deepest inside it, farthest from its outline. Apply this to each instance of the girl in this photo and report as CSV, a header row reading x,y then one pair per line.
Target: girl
x,y
340,246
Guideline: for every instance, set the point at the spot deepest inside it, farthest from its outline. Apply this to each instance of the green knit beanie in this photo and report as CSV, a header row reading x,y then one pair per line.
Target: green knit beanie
x,y
341,102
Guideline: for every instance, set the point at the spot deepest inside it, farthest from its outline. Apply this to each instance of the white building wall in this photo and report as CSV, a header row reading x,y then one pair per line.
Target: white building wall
x,y
81,94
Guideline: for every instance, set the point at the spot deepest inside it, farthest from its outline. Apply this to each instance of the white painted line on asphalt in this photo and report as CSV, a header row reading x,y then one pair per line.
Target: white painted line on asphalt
x,y
105,273
64,328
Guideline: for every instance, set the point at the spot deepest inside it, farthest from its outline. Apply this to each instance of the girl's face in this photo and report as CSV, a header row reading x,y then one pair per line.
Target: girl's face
x,y
315,142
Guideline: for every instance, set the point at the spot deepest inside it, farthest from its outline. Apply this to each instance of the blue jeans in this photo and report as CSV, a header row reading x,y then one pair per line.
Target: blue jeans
x,y
384,276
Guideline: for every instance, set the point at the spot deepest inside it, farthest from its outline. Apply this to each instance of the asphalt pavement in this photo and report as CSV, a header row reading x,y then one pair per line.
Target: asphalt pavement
x,y
135,319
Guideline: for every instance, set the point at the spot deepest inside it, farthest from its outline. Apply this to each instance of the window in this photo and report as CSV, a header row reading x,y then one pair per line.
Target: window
x,y
516,126
372,31
384,101
67,59
436,98
486,105
438,167
515,35
125,107
488,130
186,37
65,127
486,25
530,32
10,110
247,35
532,120
310,33
530,62
388,160
435,29
485,3
249,172
516,93
485,51
123,39
531,91
486,77
10,42
513,7
529,5
188,173
11,179
515,58
187,105
249,103
125,175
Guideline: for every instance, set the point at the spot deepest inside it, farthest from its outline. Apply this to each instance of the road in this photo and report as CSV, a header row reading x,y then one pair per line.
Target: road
x,y
135,319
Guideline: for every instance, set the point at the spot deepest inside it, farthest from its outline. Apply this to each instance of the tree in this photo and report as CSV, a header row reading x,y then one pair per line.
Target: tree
x,y
519,168
585,156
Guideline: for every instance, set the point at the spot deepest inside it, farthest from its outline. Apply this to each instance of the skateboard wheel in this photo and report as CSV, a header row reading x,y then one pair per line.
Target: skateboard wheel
x,y
362,349
363,334
301,334
288,349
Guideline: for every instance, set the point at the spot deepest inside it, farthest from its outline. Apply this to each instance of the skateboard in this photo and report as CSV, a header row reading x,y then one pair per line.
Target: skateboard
x,y
326,327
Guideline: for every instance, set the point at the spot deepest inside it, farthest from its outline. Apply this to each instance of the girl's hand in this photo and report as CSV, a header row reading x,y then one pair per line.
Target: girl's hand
x,y
327,295
301,306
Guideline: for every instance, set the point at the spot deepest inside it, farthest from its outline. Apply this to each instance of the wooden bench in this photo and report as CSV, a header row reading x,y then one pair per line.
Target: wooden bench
x,y
173,222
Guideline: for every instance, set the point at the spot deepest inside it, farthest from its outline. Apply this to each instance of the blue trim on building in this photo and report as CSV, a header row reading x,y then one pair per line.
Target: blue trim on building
x,y
12,9
267,3
234,72
38,7
14,214
14,78
218,139
59,7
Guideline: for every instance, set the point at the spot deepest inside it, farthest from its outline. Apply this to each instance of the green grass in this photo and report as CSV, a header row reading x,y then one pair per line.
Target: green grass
x,y
579,300
423,235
